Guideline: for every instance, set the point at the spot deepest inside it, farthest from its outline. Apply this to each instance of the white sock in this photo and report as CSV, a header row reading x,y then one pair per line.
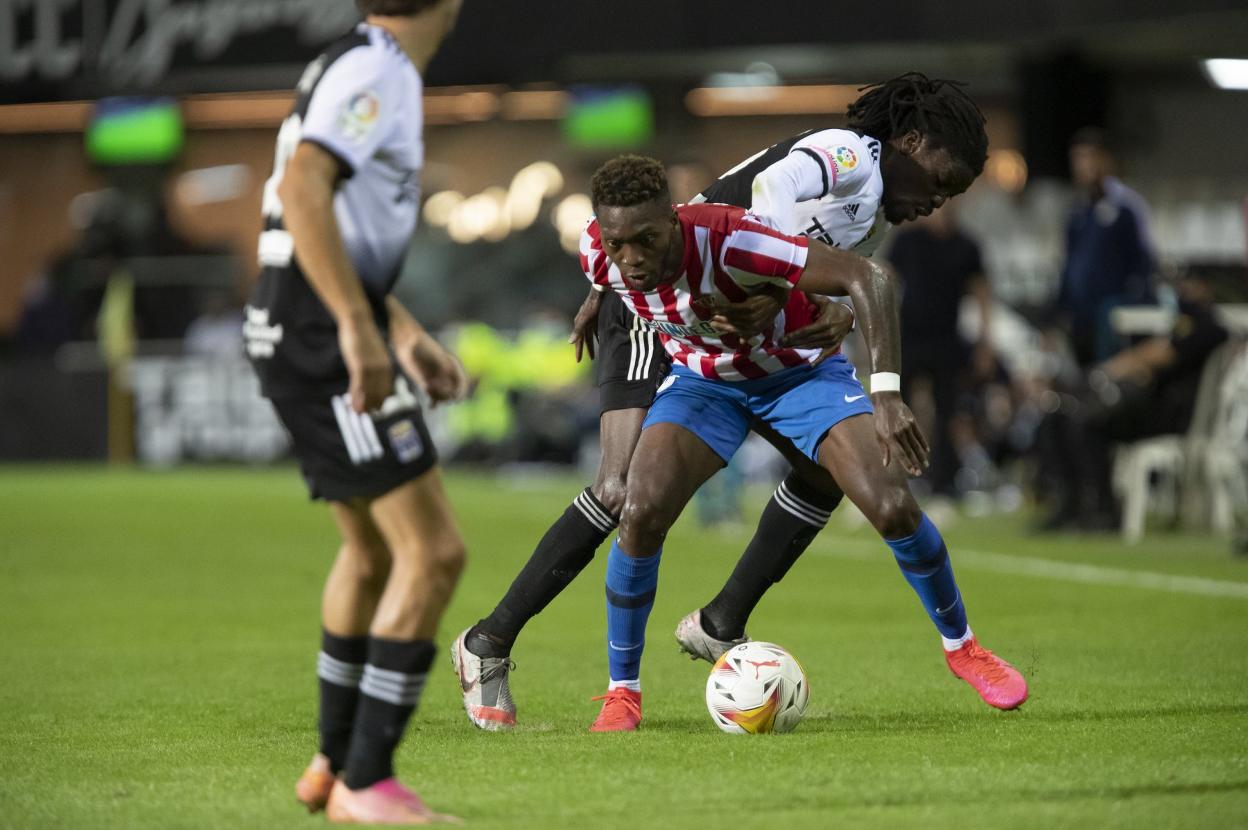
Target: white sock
x,y
631,685
954,645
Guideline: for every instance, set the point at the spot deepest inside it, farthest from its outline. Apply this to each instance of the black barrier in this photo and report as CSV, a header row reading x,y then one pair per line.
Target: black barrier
x,y
49,415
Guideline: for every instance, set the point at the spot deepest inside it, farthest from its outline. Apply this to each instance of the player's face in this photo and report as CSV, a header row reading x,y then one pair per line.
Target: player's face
x,y
1089,165
918,178
640,240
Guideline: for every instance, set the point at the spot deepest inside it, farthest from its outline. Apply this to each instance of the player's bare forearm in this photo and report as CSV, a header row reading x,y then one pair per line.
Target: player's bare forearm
x,y
307,195
585,325
874,292
833,273
404,328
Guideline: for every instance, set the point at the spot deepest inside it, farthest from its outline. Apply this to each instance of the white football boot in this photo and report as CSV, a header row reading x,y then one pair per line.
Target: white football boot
x,y
699,645
483,681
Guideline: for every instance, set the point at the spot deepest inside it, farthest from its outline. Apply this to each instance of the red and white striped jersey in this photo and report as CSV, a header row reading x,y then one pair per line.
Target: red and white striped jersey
x,y
729,254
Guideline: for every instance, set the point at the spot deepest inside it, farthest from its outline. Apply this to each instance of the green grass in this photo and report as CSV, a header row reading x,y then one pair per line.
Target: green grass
x,y
158,635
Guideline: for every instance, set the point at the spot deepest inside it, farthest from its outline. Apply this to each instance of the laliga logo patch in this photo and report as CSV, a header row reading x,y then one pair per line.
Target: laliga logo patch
x,y
359,116
846,158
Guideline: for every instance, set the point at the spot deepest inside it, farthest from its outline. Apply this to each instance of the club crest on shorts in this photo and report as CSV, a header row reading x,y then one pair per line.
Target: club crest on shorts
x,y
405,440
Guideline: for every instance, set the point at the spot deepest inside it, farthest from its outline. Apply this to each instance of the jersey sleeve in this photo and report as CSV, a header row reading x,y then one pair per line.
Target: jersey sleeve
x,y
755,253
776,190
594,261
354,107
846,159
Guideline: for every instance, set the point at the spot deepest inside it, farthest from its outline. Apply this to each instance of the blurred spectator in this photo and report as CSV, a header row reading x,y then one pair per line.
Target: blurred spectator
x,y
1147,390
1109,253
128,226
215,332
939,265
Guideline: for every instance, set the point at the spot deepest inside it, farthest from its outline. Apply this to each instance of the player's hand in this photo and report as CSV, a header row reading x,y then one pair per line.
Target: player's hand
x,y
749,317
834,323
585,325
368,364
898,433
434,369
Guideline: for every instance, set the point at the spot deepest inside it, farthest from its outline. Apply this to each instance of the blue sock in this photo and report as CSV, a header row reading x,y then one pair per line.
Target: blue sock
x,y
924,561
631,583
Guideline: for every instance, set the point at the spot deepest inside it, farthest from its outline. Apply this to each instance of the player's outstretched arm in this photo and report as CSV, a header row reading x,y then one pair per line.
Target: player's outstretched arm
x,y
585,325
833,272
307,196
434,368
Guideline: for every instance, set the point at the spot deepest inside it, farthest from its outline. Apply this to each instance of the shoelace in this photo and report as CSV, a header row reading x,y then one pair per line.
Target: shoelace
x,y
617,698
987,664
492,667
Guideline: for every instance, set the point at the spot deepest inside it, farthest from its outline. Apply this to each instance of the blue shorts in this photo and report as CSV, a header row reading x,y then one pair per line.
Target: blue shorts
x,y
801,403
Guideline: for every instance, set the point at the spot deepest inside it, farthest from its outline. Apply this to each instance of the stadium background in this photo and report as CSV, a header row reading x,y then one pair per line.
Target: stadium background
x,y
139,674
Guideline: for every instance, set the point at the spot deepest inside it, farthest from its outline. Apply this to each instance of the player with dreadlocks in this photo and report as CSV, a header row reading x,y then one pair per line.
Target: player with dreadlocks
x,y
912,143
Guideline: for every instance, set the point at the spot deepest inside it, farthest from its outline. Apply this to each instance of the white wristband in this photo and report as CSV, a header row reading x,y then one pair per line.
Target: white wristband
x,y
853,318
885,382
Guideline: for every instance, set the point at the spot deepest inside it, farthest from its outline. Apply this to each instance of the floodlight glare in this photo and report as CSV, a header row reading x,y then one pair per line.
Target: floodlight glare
x,y
1227,73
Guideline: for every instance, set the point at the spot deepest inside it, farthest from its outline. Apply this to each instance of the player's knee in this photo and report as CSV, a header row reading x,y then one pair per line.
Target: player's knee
x,y
450,560
612,494
643,525
897,515
367,565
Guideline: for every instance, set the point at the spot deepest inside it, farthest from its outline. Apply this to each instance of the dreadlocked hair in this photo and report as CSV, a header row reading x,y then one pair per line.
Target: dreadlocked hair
x,y
394,8
940,110
625,181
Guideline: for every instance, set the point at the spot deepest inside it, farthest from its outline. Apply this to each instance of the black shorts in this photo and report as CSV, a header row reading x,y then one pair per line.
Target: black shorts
x,y
345,455
631,360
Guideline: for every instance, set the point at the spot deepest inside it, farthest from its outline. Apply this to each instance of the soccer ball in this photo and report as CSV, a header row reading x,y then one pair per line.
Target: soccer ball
x,y
756,688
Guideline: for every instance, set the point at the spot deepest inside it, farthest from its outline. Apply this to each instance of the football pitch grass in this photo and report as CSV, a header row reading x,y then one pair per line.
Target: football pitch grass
x,y
158,634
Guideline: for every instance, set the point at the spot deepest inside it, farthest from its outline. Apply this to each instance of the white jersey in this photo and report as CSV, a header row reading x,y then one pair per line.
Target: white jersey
x,y
362,102
822,184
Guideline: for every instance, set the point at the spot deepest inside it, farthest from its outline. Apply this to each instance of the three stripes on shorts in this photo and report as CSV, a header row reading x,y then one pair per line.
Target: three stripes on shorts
x,y
358,431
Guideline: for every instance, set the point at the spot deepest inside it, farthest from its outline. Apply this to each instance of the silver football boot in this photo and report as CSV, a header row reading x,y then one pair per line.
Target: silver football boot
x,y
483,681
699,645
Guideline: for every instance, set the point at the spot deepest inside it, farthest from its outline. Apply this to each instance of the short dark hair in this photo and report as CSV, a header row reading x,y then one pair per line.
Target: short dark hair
x,y
1092,137
394,8
625,181
940,110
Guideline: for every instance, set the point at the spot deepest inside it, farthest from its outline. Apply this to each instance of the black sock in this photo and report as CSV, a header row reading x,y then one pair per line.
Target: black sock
x,y
563,553
790,522
339,667
389,691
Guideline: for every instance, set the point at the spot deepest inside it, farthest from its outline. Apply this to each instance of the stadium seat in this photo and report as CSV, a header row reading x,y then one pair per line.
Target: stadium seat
x,y
1226,453
1203,467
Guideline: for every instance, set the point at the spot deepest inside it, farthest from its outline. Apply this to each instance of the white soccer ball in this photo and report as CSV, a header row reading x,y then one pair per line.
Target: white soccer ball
x,y
755,688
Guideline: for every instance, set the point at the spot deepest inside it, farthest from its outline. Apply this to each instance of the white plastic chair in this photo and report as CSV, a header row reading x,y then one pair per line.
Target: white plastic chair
x,y
1181,462
1225,466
